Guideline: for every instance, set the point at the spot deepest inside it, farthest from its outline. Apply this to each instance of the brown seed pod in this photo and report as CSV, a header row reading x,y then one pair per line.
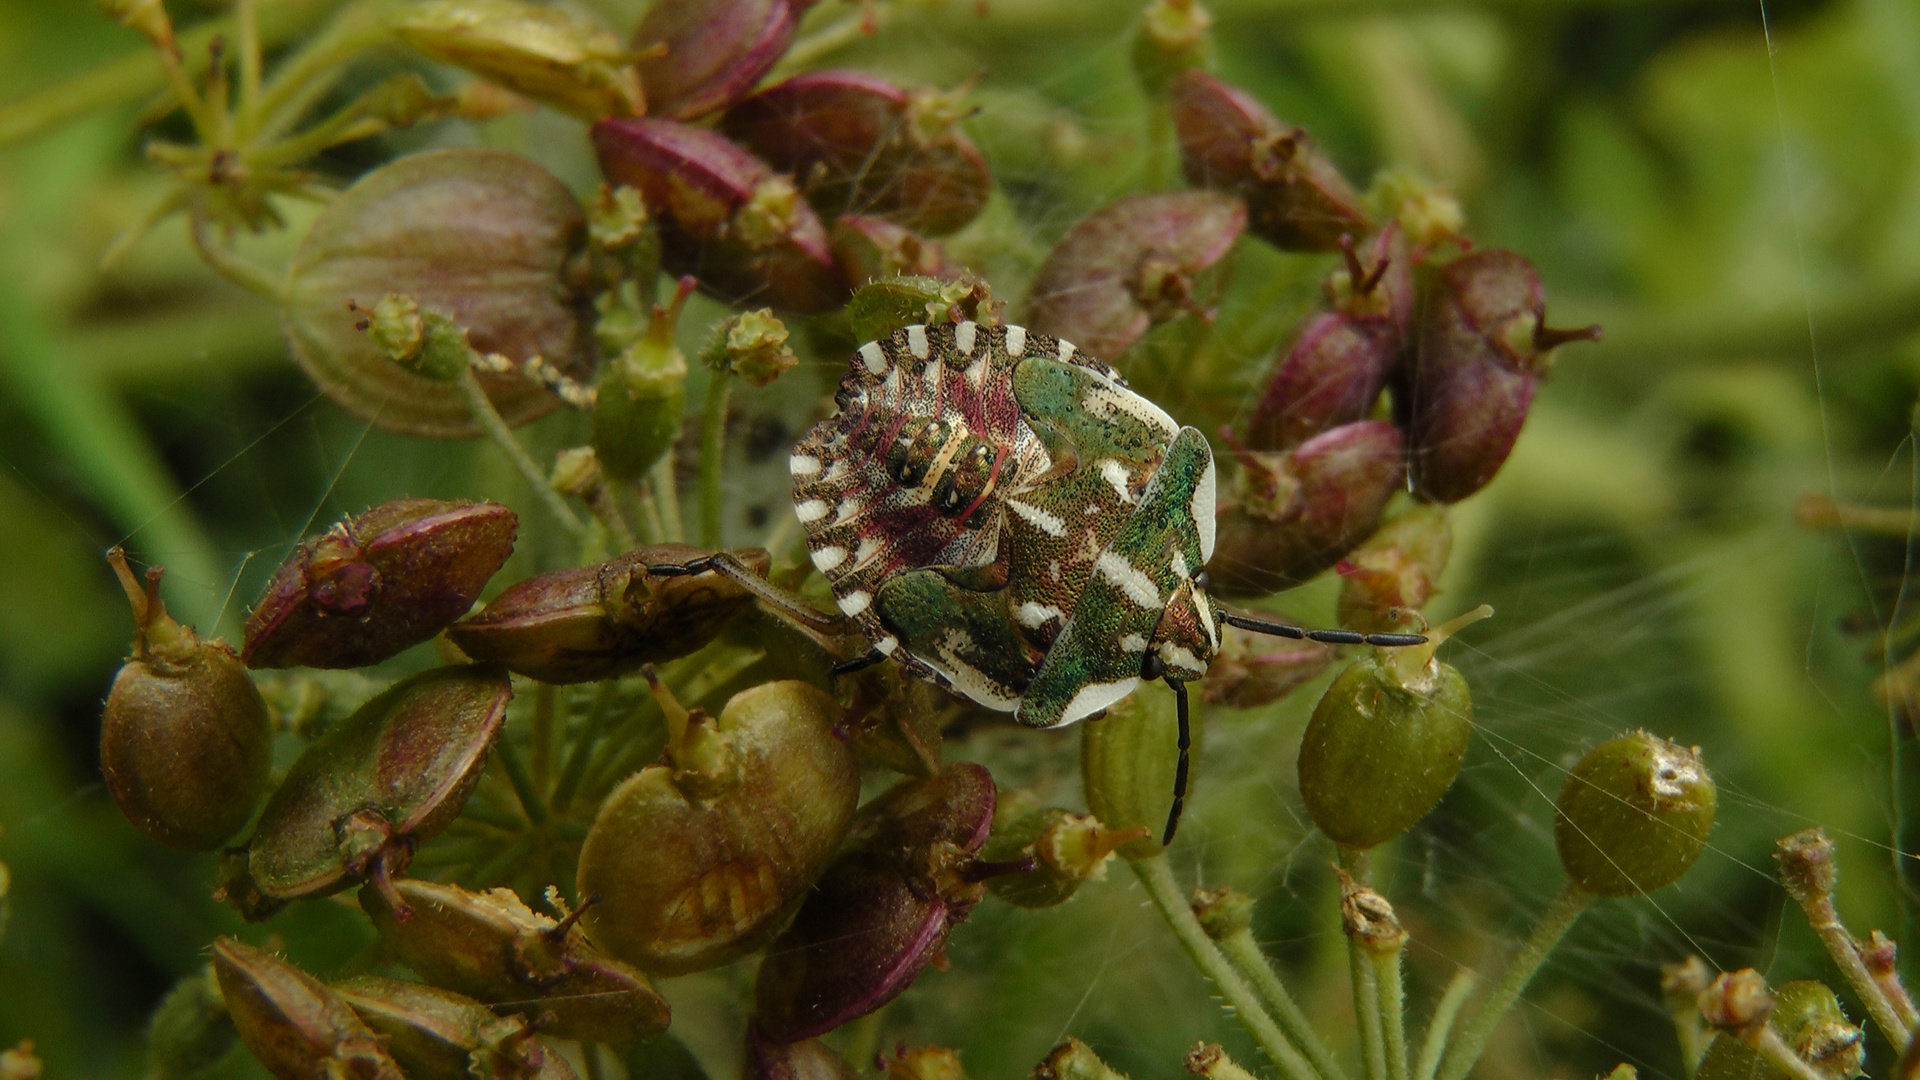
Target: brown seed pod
x,y
699,55
296,1028
550,54
437,1034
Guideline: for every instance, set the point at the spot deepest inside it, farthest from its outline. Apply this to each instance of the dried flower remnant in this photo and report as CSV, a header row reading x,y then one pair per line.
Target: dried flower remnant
x,y
292,1023
878,308
1074,1060
697,56
551,54
377,583
1068,849
184,736
1396,571
1633,816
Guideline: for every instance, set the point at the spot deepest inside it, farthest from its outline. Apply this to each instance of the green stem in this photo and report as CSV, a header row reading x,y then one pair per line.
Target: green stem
x,y
713,442
286,95
1781,1056
545,704
1157,878
493,869
1254,966
582,750
1554,924
491,422
1366,988
590,1055
651,530
1826,924
246,16
1451,1000
1393,1019
231,266
489,815
516,770
666,496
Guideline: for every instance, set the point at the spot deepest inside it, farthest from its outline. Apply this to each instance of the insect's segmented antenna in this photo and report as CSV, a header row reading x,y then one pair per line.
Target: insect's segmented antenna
x,y
1180,770
858,663
1330,637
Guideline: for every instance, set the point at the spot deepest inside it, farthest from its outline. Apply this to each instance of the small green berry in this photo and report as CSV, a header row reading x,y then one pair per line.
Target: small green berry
x,y
1807,1016
1634,815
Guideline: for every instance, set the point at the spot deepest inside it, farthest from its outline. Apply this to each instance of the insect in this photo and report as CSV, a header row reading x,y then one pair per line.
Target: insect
x,y
1001,515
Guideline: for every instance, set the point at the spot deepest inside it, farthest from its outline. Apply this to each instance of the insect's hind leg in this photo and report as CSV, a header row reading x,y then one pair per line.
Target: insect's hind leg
x,y
784,603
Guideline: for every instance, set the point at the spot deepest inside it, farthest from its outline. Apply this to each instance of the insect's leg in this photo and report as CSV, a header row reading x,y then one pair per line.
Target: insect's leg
x,y
858,663
783,603
1330,637
1180,770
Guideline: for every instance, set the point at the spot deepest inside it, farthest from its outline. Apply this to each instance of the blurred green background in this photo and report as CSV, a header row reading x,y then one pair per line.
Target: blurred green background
x,y
1732,188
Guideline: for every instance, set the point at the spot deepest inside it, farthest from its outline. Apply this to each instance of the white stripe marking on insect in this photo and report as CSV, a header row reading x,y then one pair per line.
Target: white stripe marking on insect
x,y
1133,643
1180,569
854,602
810,511
1116,474
1066,351
867,549
803,465
1034,616
871,355
886,645
1038,518
1016,341
1179,657
976,372
917,341
963,337
1202,508
827,558
1095,696
1128,579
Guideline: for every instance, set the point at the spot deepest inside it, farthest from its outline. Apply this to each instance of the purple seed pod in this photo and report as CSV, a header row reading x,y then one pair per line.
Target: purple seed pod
x,y
1482,345
1397,569
295,1027
860,145
700,55
1137,261
725,217
1296,198
1286,517
808,1059
869,249
374,585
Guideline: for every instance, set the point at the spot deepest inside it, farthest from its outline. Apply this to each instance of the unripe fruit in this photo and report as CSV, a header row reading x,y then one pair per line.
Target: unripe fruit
x,y
1172,37
1069,850
296,1028
808,1059
437,1034
1634,814
551,54
1397,569
190,1032
184,737
641,398
1808,1018
698,55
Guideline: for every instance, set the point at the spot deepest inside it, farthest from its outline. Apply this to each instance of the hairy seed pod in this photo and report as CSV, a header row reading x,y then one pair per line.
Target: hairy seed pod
x,y
550,54
1069,849
1397,569
808,1059
698,55
641,398
698,861
858,144
296,1028
488,240
191,1031
1127,763
492,947
1286,517
369,790
1634,814
1809,1019
590,623
375,584
184,737
437,1034
1138,261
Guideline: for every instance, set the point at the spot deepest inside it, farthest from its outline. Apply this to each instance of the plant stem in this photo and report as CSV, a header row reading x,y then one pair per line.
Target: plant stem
x,y
246,17
1775,1051
713,442
225,262
1393,1018
1459,988
666,496
1825,921
1157,878
523,788
582,750
590,1055
490,421
545,703
1554,924
1254,966
1364,976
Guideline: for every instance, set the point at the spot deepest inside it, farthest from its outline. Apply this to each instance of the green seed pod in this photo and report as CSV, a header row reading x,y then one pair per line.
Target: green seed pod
x,y
488,240
589,623
374,585
642,396
190,1032
1386,741
184,737
370,789
437,1034
1127,762
492,947
879,308
294,1025
1808,1018
1634,814
699,861
1074,1060
1070,849
547,53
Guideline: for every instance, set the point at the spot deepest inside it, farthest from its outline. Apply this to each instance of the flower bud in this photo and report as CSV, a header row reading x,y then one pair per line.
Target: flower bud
x,y
184,738
724,216
589,623
1252,670
488,240
641,398
697,862
551,54
752,345
870,248
492,947
1074,1060
1070,849
1127,763
861,145
700,55
1397,569
365,793
1634,814
1428,215
295,1027
1286,517
808,1059
374,585
436,1034
1171,38
1808,1018
190,1032
1483,343
879,308
1386,741
1136,262
1296,198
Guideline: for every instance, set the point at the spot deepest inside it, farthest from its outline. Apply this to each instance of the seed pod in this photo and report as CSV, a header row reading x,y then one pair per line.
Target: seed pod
x,y
492,947
881,307
1070,850
1808,1018
724,216
1127,762
184,738
296,1028
641,398
369,790
549,54
1296,198
869,248
590,623
698,55
1136,262
1397,568
808,1059
1386,741
1634,814
1483,343
1252,670
1074,1060
437,1034
487,239
752,345
1286,517
860,145
883,910
374,585
1172,37
698,861
190,1032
